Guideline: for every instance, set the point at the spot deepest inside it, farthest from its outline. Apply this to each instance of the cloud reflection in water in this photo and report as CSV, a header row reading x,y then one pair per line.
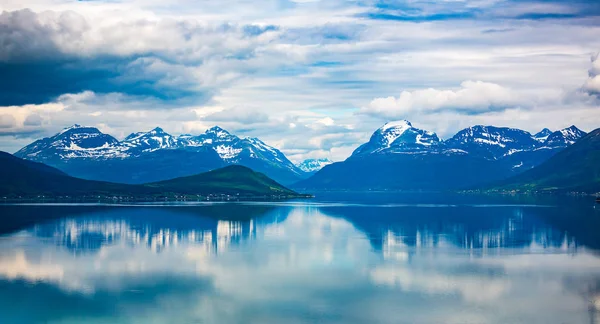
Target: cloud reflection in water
x,y
297,264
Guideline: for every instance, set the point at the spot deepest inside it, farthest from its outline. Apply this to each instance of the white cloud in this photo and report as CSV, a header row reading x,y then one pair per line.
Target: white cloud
x,y
327,121
472,96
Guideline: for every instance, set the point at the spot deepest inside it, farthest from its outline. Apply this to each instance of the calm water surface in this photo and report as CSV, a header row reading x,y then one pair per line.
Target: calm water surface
x,y
335,259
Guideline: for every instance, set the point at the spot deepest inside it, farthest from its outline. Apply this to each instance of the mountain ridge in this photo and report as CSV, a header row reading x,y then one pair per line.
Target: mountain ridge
x,y
396,158
86,152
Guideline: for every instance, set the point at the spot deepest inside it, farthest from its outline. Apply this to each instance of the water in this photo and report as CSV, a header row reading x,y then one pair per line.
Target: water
x,y
336,259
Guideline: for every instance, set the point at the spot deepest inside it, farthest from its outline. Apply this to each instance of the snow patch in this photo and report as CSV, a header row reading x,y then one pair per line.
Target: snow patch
x,y
227,152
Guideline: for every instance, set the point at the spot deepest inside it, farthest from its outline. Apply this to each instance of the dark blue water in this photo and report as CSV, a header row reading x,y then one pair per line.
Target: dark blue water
x,y
378,258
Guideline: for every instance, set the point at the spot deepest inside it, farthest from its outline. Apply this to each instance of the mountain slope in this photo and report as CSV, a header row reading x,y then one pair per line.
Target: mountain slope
x,y
26,178
148,167
408,172
22,178
155,155
576,168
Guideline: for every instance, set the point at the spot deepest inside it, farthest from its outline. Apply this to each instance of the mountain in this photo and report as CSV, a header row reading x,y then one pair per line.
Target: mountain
x,y
399,156
155,155
75,142
576,168
23,178
313,165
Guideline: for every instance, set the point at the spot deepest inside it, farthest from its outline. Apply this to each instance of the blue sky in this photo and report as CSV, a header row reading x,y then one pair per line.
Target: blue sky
x,y
313,78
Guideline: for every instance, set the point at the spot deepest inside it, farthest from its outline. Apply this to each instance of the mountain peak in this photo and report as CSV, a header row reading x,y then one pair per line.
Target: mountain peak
x,y
217,131
157,130
402,124
75,126
398,136
572,128
153,132
149,141
542,135
543,132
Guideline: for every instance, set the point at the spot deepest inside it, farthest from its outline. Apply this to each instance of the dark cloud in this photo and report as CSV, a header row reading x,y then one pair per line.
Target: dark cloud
x,y
495,30
24,38
43,81
419,18
43,56
31,134
427,11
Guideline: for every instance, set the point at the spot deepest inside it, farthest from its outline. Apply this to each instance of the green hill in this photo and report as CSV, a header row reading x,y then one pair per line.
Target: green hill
x,y
576,168
26,179
231,180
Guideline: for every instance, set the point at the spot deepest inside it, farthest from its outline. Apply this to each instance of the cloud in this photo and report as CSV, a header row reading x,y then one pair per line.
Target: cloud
x,y
33,120
241,115
7,121
45,55
472,97
592,85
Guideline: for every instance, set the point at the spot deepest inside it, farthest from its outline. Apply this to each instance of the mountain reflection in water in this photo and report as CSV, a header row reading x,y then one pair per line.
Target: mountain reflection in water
x,y
299,262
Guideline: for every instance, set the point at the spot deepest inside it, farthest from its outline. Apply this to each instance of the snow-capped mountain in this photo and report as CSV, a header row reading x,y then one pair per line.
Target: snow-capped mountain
x,y
94,150
239,150
564,137
74,142
398,137
488,142
542,135
313,165
399,156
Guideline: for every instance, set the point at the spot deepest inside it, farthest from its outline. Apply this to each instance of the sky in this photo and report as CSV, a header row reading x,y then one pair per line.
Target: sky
x,y
313,78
